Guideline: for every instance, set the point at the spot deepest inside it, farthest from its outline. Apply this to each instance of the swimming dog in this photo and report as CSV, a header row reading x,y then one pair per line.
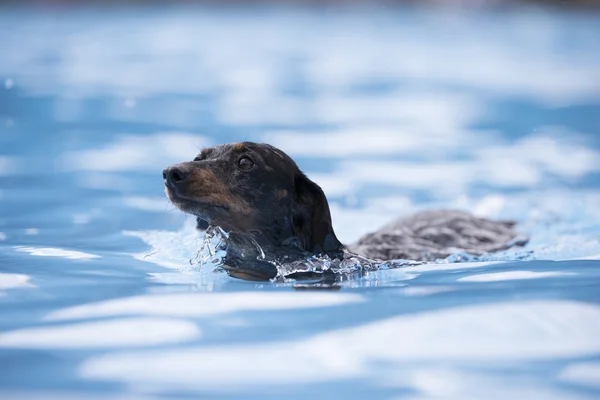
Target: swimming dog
x,y
257,194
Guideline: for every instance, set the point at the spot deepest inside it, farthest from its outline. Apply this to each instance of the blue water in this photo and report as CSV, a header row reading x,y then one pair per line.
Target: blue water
x,y
390,110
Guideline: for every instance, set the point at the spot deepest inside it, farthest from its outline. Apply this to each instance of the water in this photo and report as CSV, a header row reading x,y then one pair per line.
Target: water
x,y
391,111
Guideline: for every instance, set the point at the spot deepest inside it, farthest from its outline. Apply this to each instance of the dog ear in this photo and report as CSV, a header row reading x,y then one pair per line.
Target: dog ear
x,y
312,220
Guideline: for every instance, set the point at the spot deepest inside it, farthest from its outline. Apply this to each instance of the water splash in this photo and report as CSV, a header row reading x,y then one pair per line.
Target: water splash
x,y
349,263
210,258
212,251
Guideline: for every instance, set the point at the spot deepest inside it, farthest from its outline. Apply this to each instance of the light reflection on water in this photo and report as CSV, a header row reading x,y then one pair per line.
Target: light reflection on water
x,y
391,112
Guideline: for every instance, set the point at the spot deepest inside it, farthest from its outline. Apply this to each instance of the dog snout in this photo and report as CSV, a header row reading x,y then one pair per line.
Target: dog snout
x,y
175,175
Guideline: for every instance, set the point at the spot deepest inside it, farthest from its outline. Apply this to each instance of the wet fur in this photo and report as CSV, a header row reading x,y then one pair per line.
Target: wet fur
x,y
274,208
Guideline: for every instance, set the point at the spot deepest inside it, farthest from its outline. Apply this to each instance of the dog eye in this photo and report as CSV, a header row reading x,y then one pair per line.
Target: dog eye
x,y
245,163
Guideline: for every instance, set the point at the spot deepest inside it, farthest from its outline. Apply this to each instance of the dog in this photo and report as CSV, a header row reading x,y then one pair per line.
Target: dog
x,y
272,211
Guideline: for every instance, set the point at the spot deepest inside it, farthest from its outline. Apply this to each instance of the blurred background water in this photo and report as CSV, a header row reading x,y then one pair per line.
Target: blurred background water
x,y
390,108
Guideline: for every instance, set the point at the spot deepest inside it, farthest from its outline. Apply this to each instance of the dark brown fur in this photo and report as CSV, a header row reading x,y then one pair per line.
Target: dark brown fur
x,y
274,213
272,204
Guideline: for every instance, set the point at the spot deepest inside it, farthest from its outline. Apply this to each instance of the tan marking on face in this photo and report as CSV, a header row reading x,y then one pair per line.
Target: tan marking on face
x,y
204,152
208,188
239,146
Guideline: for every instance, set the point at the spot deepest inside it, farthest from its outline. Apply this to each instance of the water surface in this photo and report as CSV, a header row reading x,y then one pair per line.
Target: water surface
x,y
390,111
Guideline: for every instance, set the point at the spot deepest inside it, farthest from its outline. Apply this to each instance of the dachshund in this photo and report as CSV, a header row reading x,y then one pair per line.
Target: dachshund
x,y
267,205
257,194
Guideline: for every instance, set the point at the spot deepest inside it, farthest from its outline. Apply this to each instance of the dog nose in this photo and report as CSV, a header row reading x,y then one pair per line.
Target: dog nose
x,y
175,174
